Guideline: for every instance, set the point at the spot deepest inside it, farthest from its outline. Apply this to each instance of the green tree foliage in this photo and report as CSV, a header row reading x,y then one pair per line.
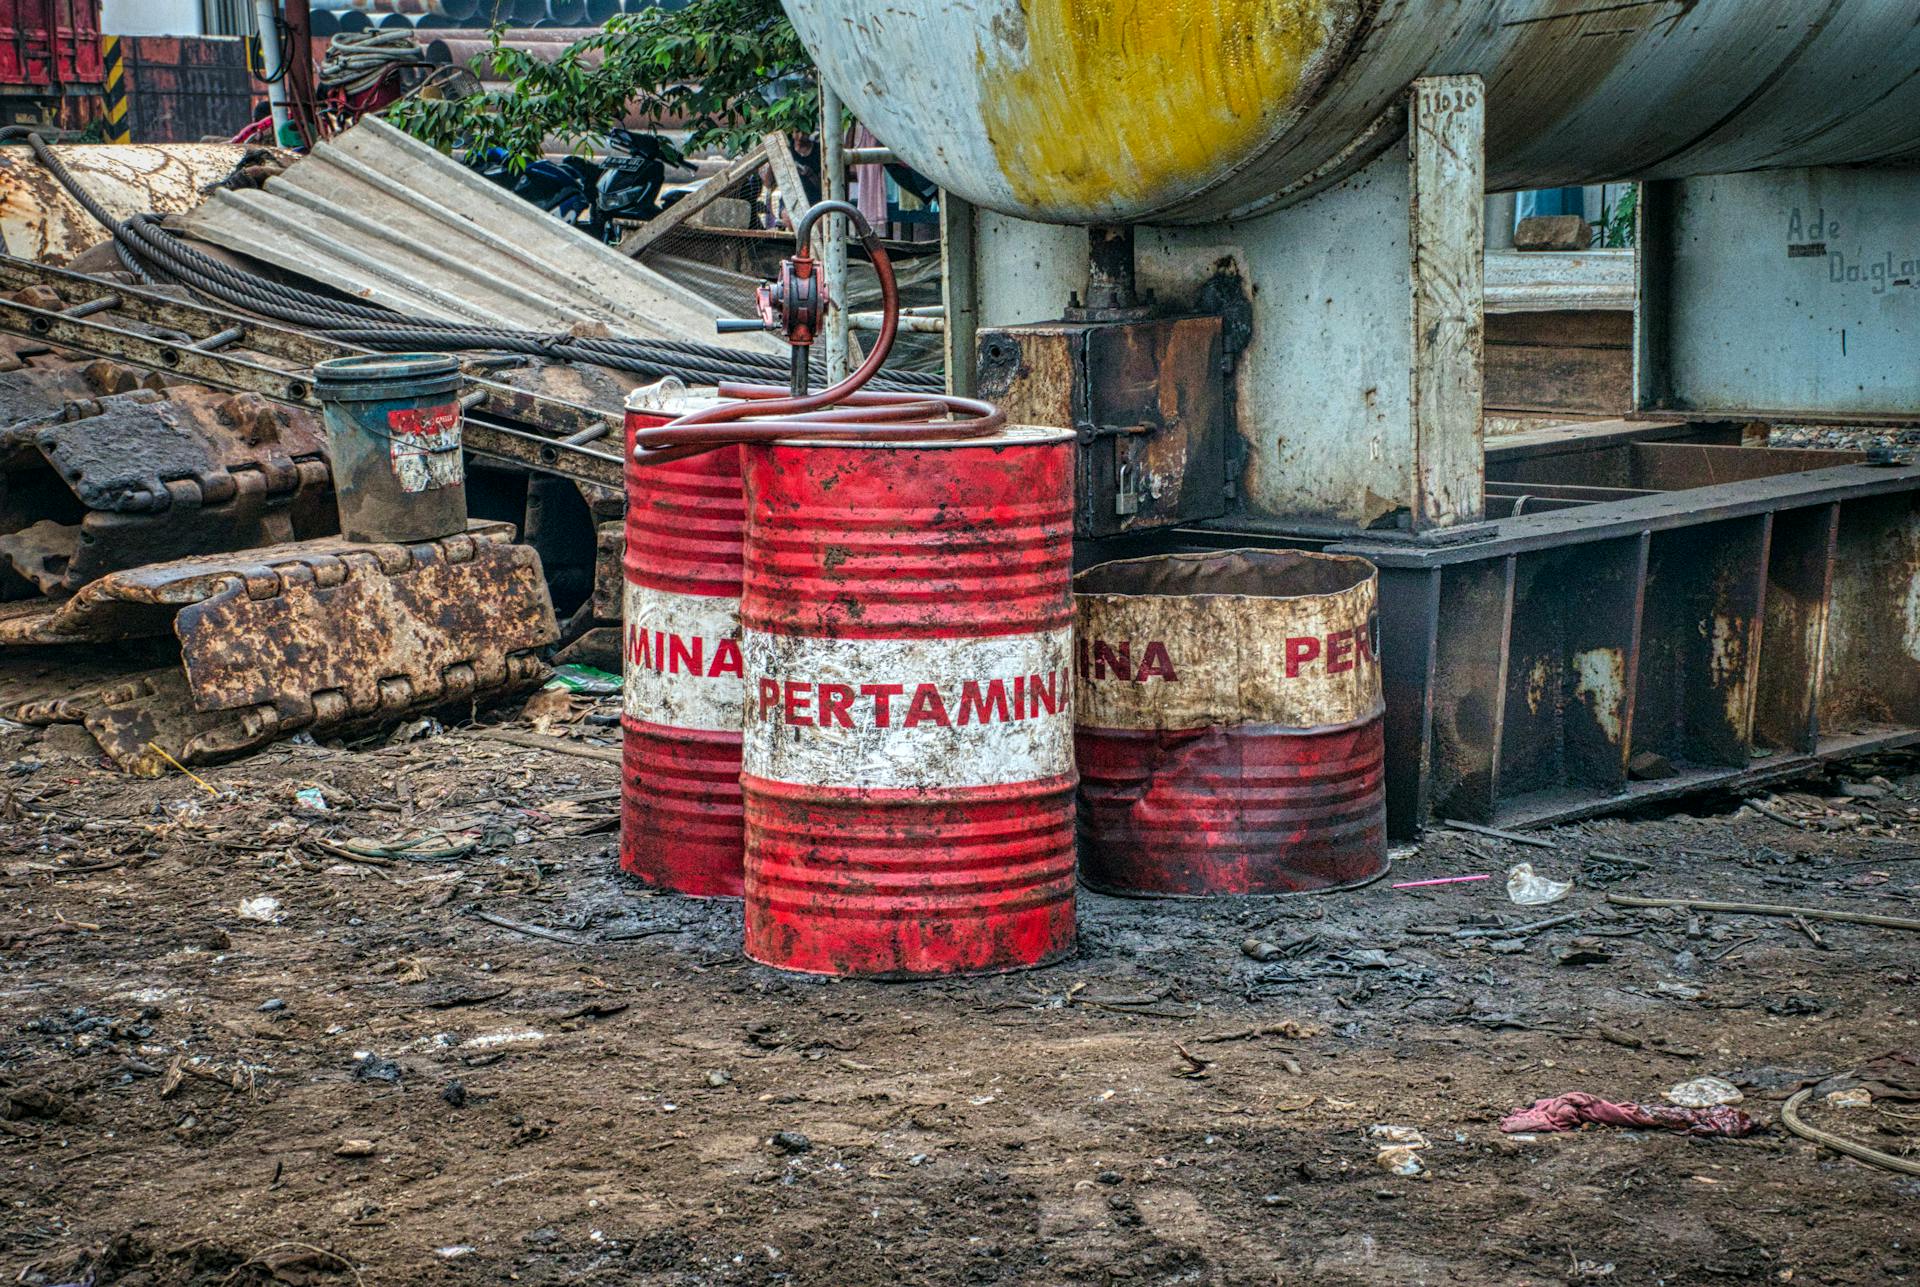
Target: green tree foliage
x,y
734,69
1616,232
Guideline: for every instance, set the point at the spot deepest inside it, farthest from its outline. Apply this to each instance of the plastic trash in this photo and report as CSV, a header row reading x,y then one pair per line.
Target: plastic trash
x,y
1528,888
1704,1092
585,680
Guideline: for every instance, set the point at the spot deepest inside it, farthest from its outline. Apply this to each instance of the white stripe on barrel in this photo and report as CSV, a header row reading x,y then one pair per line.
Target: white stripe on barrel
x,y
896,714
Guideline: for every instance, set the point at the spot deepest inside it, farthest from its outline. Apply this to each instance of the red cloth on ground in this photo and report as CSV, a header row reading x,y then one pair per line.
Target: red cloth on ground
x,y
1575,1108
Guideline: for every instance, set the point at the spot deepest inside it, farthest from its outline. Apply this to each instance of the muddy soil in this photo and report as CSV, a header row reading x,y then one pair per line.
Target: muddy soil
x,y
234,1048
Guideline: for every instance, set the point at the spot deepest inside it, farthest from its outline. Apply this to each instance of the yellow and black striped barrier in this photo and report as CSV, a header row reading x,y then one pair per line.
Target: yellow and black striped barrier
x,y
119,129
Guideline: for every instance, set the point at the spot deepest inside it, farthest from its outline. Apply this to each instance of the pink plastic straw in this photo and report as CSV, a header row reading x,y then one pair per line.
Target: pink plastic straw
x,y
1444,880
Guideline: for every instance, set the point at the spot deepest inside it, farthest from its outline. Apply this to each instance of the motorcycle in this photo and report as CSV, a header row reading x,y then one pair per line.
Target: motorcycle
x,y
594,196
629,183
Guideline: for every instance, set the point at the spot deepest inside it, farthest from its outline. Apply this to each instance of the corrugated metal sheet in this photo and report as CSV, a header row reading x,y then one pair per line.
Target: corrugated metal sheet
x,y
385,218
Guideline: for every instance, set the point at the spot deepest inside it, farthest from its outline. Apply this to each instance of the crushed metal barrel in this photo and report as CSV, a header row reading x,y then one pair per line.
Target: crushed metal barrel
x,y
1229,724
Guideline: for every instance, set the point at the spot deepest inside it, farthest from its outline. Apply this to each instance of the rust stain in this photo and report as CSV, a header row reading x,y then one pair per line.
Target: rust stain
x,y
1539,683
1119,102
1602,685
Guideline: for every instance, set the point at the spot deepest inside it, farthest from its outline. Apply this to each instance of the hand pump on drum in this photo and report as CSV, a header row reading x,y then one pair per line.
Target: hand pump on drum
x,y
907,733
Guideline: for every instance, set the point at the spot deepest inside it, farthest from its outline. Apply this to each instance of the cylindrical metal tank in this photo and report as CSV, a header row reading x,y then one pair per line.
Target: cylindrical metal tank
x,y
1229,724
680,828
40,220
908,767
1069,111
393,436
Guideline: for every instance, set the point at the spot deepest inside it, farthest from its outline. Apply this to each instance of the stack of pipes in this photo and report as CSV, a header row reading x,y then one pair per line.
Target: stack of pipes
x,y
523,16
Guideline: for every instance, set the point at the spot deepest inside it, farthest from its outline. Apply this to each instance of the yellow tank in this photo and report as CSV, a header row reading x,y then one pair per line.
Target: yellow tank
x,y
1097,111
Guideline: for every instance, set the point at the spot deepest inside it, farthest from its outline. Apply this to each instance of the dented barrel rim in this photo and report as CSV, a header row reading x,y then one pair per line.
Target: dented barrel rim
x,y
1007,436
385,377
1202,575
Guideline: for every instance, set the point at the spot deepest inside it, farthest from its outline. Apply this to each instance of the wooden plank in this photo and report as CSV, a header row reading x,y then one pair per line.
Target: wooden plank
x,y
1557,378
693,203
1447,133
786,176
1597,329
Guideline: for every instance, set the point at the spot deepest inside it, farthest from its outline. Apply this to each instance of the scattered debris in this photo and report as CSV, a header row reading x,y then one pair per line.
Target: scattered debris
x,y
1767,909
1192,1065
1400,1159
1495,833
1400,1149
1578,953
589,681
264,908
1791,1119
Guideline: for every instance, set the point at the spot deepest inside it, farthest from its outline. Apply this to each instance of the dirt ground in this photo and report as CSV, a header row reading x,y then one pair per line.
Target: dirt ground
x,y
363,1081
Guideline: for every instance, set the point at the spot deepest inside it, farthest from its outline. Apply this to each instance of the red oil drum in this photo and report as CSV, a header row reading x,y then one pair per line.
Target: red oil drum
x,y
680,827
1229,713
908,766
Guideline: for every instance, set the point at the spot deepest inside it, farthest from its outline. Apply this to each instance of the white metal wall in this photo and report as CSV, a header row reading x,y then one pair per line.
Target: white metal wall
x,y
152,18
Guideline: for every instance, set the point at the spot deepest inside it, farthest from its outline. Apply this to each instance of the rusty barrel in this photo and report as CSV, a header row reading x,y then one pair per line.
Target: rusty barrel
x,y
1229,724
680,827
908,770
393,435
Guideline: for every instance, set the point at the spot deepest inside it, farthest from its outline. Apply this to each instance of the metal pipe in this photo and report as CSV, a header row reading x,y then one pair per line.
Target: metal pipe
x,y
220,339
1501,209
266,21
373,8
917,324
867,155
833,267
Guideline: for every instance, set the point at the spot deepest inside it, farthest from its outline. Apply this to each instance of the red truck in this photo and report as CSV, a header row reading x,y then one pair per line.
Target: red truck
x,y
51,69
